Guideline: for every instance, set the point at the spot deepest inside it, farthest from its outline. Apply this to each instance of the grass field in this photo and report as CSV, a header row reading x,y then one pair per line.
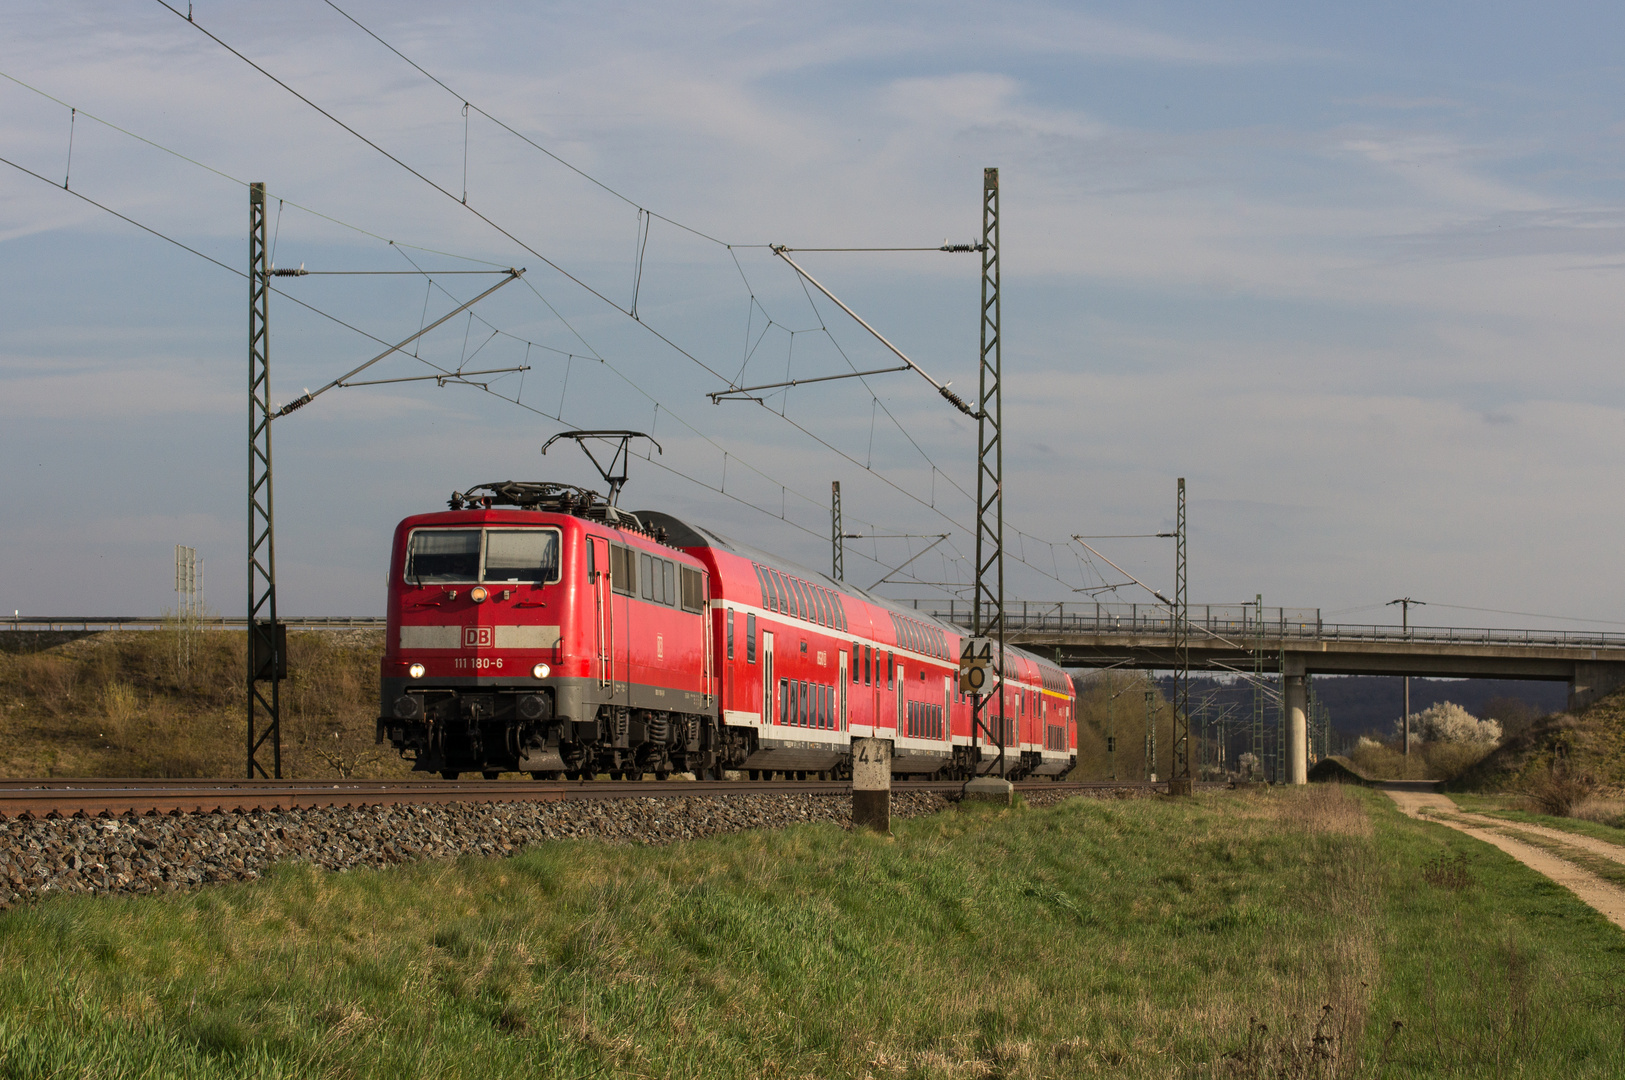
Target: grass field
x,y
1234,934
1506,807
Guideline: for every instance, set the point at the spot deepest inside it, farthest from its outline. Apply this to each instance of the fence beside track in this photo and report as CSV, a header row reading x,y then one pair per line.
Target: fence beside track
x,y
29,799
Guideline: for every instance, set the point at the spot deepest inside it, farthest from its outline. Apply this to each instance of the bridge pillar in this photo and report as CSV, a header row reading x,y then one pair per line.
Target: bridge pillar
x,y
1594,681
1295,702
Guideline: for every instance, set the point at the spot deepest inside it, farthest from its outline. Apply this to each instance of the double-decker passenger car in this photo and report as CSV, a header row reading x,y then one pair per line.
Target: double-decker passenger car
x,y
534,628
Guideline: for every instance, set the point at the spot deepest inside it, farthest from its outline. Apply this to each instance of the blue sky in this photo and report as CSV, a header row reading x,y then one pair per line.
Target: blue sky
x,y
1353,272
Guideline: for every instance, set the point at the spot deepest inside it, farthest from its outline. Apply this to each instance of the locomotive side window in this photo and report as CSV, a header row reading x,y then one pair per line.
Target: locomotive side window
x,y
750,638
623,570
645,570
521,555
436,556
670,574
694,595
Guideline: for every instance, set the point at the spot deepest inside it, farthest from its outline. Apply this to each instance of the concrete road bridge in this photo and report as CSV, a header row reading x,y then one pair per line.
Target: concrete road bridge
x,y
1297,642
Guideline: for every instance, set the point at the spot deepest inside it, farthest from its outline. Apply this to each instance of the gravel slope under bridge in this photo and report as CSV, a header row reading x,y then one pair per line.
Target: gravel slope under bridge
x,y
137,854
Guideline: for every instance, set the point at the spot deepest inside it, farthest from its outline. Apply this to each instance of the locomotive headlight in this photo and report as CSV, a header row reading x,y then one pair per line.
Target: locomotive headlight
x,y
540,671
416,671
478,594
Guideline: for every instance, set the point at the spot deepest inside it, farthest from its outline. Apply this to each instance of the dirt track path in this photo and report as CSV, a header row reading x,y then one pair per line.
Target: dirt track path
x,y
1605,897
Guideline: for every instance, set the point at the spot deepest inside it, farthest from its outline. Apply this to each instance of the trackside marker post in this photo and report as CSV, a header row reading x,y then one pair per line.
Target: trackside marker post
x,y
871,784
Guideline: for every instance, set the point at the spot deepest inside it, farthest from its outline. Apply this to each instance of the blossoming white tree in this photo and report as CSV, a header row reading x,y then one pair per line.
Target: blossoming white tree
x,y
1450,723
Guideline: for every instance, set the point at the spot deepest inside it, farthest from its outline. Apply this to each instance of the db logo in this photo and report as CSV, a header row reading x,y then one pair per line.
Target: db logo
x,y
475,637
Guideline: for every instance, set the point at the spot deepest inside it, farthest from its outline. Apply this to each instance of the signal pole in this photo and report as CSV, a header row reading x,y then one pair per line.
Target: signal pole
x,y
989,597
1405,603
266,662
1179,774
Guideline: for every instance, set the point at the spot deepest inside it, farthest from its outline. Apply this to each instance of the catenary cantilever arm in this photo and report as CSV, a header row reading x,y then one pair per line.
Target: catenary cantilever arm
x,y
307,397
942,388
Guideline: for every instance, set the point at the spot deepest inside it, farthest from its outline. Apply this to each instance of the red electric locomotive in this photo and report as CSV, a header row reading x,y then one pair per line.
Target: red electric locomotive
x,y
535,627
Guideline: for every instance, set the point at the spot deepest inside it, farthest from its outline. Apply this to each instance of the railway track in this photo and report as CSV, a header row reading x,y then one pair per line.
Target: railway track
x,y
28,799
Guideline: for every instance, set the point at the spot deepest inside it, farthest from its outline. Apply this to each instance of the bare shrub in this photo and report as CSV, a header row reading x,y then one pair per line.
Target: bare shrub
x,y
1557,791
1447,760
1447,872
120,703
52,680
1296,1052
1377,760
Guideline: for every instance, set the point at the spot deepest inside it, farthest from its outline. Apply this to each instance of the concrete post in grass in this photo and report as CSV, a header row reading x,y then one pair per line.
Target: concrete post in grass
x,y
871,784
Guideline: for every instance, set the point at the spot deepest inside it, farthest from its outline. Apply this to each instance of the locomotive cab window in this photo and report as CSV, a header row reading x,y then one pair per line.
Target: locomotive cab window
x,y
437,556
446,556
521,555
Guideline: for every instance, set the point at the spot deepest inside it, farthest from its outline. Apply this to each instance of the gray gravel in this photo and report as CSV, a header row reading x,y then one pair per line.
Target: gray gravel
x,y
150,854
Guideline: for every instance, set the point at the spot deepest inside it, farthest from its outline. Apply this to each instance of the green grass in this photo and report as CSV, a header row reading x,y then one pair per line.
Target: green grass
x,y
1497,972
1607,869
1504,807
1199,937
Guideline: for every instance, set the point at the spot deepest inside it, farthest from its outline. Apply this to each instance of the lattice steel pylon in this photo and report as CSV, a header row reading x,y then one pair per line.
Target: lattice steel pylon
x,y
1280,719
1258,683
1150,732
837,536
990,472
265,643
1179,773
988,609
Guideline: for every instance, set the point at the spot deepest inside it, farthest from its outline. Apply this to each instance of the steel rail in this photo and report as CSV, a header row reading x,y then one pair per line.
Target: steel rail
x,y
34,798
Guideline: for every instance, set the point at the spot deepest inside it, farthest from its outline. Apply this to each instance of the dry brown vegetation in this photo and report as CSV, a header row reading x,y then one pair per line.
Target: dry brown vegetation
x,y
1567,758
1111,701
1428,760
127,704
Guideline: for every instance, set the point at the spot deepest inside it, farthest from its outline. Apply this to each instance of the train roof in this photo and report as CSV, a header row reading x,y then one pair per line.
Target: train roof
x,y
681,534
